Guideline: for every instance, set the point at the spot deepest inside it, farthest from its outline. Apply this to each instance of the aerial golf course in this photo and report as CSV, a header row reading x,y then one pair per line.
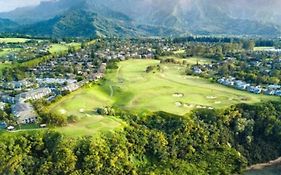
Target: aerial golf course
x,y
130,87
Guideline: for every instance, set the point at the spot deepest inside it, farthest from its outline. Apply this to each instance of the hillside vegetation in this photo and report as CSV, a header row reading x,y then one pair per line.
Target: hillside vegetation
x,y
203,142
125,18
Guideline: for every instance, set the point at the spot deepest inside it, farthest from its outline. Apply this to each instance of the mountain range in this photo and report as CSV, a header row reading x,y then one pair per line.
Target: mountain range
x,y
132,18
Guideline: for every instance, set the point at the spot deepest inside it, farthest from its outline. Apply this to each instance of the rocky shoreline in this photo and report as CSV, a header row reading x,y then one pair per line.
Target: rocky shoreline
x,y
261,166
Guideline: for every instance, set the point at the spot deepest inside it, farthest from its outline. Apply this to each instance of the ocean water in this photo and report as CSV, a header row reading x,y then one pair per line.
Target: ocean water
x,y
275,170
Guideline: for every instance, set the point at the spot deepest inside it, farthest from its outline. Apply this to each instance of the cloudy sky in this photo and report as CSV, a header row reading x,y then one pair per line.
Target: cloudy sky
x,y
7,5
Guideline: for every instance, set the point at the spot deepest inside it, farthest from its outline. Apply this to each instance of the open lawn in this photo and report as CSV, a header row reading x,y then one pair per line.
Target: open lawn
x,y
189,60
83,103
6,51
130,87
182,51
195,60
91,125
13,40
60,48
263,48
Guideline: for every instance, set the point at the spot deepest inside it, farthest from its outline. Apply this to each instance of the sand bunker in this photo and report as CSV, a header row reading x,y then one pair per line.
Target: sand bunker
x,y
211,97
62,111
179,95
201,107
178,104
188,105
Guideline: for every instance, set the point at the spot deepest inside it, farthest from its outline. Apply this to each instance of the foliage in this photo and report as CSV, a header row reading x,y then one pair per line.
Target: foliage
x,y
203,142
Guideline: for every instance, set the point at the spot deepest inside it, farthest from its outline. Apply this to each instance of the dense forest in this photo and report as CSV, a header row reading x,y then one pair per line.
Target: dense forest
x,y
201,142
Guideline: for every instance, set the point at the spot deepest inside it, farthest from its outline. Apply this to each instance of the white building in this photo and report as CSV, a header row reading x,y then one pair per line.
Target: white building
x,y
2,106
71,87
24,112
33,94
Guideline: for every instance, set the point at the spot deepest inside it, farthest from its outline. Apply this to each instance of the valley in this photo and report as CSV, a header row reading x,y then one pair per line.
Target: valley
x,y
140,87
196,103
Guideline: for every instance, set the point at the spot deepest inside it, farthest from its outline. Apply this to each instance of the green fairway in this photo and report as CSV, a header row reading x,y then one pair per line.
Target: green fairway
x,y
189,60
60,48
182,51
6,51
13,40
263,48
195,60
130,87
91,125
83,103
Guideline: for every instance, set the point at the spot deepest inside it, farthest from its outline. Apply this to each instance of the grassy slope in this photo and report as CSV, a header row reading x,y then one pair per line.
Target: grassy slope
x,y
54,50
60,48
6,51
13,40
91,125
131,88
83,103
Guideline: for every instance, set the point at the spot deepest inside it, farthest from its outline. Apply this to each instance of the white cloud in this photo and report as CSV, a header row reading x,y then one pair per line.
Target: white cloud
x,y
8,5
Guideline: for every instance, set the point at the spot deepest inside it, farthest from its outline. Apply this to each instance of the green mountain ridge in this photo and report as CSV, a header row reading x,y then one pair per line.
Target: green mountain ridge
x,y
6,24
81,23
132,18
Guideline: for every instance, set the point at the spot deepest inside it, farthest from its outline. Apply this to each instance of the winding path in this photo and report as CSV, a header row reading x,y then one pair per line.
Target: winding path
x,y
111,91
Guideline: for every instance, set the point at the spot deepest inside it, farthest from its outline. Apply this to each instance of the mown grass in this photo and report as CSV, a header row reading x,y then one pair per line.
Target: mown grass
x,y
262,48
13,40
190,60
6,51
199,60
131,88
62,48
91,125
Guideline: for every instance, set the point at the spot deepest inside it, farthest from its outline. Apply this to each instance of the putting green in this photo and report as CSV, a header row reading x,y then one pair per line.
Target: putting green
x,y
91,125
130,87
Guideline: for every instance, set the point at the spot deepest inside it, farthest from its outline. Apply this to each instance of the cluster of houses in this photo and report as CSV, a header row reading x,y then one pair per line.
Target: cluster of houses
x,y
47,88
241,85
126,52
24,112
24,51
16,85
63,74
20,105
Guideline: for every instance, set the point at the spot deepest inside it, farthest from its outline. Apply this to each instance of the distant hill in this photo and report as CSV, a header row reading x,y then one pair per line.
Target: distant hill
x,y
7,25
44,11
73,23
85,18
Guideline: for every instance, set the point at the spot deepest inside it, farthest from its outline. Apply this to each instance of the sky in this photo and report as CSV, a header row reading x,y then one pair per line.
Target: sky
x,y
8,5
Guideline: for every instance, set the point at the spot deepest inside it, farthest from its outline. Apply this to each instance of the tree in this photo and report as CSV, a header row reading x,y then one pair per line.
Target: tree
x,y
249,44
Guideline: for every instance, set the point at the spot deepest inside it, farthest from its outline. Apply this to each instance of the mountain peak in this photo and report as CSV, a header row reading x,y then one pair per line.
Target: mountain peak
x,y
156,17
